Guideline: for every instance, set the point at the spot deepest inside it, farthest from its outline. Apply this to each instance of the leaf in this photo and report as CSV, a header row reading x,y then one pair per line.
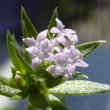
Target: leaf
x,y
31,107
56,104
53,22
87,48
9,108
78,75
17,61
17,97
80,87
27,27
9,91
38,100
6,81
24,55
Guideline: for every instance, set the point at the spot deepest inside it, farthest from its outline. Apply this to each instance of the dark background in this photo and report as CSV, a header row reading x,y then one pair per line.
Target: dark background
x,y
90,18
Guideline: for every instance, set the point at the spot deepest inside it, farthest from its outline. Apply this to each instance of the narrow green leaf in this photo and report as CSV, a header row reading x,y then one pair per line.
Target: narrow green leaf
x,y
17,61
87,48
62,99
38,100
56,104
6,81
24,55
53,22
27,27
80,87
8,91
16,97
78,75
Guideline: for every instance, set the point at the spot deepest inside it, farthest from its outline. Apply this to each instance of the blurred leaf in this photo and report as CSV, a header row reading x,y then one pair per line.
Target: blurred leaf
x,y
6,81
9,108
62,99
79,87
17,61
38,100
27,27
78,75
87,48
53,21
56,104
8,91
31,107
17,97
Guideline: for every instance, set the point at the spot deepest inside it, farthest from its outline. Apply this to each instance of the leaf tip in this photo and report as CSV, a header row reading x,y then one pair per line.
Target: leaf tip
x,y
23,12
102,41
8,34
22,9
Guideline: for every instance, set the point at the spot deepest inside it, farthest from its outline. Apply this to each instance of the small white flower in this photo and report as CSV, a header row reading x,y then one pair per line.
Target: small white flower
x,y
66,59
61,33
66,62
38,49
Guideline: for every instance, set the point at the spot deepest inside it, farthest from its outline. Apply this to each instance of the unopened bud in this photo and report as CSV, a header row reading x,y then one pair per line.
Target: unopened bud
x,y
20,81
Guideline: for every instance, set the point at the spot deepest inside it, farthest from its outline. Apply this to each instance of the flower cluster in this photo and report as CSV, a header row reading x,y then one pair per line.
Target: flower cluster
x,y
60,48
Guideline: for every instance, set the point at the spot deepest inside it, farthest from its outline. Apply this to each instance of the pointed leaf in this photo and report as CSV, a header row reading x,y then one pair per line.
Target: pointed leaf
x,y
9,91
17,97
6,81
87,48
78,75
24,55
56,104
80,87
28,28
17,61
53,22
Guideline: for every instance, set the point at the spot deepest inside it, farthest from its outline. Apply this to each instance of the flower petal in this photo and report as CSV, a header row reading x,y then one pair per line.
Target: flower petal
x,y
61,59
33,51
41,36
55,42
66,51
62,40
58,48
51,57
55,30
72,38
69,31
35,63
29,41
59,71
51,69
81,63
44,45
74,52
71,69
60,25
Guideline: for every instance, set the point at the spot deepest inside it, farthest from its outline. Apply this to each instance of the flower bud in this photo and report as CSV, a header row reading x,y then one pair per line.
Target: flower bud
x,y
20,81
